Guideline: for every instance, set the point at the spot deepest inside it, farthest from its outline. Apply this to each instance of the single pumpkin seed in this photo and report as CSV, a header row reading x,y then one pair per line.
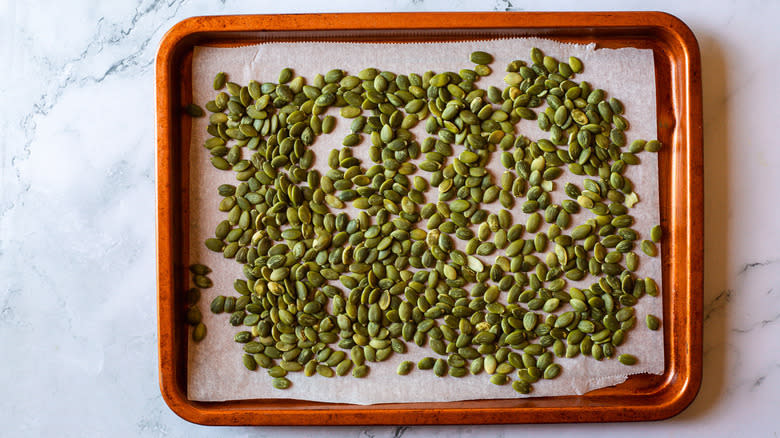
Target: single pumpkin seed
x,y
199,332
281,383
479,57
655,234
653,323
405,368
627,359
649,248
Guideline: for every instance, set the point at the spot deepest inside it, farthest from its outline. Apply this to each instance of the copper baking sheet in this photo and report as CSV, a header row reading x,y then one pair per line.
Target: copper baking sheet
x,y
678,85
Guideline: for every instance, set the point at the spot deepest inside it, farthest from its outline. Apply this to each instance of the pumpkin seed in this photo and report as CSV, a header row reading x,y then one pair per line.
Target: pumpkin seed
x,y
440,367
522,387
655,234
653,323
552,371
627,359
194,316
648,247
651,287
281,383
653,146
499,379
218,304
360,371
199,332
219,80
481,57
202,281
194,110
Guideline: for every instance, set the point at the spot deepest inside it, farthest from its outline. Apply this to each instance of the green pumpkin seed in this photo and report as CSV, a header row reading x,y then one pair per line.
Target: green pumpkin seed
x,y
522,387
632,261
192,296
193,316
440,367
219,80
202,281
533,222
281,383
426,363
218,304
575,64
653,323
653,146
199,332
481,57
552,371
343,367
194,110
649,248
360,371
651,287
627,359
499,379
405,368
655,234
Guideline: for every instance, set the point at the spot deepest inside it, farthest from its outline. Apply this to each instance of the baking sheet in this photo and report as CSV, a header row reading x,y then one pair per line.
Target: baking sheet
x,y
215,370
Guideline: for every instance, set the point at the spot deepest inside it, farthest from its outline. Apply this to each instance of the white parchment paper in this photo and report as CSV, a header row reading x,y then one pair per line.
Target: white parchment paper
x,y
215,370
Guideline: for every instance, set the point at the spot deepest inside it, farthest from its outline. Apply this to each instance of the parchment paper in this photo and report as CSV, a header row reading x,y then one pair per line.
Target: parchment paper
x,y
215,369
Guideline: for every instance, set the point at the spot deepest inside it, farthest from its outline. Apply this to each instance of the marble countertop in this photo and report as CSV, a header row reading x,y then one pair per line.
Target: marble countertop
x,y
77,249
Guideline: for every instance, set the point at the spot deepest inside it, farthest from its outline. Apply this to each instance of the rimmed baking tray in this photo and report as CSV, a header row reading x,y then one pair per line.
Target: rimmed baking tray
x,y
678,95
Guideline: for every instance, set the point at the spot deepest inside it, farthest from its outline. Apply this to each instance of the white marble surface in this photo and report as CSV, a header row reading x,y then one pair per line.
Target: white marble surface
x,y
77,251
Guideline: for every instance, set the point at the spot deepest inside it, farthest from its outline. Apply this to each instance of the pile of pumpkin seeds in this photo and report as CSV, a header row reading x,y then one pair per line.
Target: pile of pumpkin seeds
x,y
329,294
